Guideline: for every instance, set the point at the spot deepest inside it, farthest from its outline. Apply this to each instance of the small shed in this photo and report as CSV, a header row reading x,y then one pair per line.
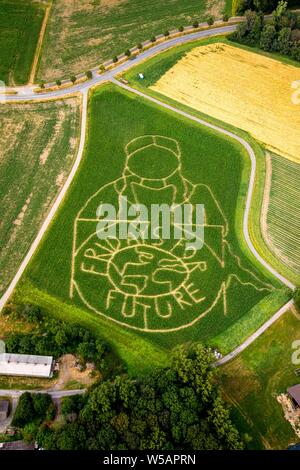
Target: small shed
x,y
4,409
294,393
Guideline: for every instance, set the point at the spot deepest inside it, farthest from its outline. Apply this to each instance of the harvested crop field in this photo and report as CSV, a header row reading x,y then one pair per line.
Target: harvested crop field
x,y
38,144
80,35
245,89
280,215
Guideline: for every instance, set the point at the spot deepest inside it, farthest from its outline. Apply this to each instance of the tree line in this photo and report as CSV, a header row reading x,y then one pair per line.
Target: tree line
x,y
33,410
266,6
177,408
280,34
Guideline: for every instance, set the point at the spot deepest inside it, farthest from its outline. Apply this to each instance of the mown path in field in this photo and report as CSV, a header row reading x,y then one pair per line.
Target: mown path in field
x,y
39,44
27,93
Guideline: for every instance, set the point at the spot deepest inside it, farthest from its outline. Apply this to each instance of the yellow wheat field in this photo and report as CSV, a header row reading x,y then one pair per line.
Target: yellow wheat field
x,y
245,89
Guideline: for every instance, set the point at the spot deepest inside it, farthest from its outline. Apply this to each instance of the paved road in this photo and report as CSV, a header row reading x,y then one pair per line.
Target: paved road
x,y
26,93
54,393
255,335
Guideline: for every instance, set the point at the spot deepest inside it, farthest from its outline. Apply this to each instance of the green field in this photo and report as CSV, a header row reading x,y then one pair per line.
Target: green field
x,y
20,24
80,37
210,291
281,215
38,144
253,380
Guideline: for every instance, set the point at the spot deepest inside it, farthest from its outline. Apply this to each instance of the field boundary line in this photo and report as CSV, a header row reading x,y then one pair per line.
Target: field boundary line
x,y
39,45
55,206
252,156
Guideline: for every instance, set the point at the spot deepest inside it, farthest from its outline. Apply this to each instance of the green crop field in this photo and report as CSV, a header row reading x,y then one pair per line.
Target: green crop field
x,y
38,144
79,36
20,24
253,381
152,290
281,215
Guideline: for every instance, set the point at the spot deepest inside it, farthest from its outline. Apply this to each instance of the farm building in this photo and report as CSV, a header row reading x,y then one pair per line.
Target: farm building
x,y
26,365
17,445
294,393
4,409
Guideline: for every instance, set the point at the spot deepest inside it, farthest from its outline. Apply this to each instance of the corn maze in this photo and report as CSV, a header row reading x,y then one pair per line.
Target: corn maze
x,y
156,284
151,286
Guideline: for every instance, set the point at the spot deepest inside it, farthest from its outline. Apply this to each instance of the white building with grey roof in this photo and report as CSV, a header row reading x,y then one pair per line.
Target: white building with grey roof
x,y
26,365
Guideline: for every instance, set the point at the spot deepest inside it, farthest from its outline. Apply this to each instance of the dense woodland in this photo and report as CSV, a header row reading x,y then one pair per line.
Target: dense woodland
x,y
31,411
174,408
177,408
280,34
266,6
